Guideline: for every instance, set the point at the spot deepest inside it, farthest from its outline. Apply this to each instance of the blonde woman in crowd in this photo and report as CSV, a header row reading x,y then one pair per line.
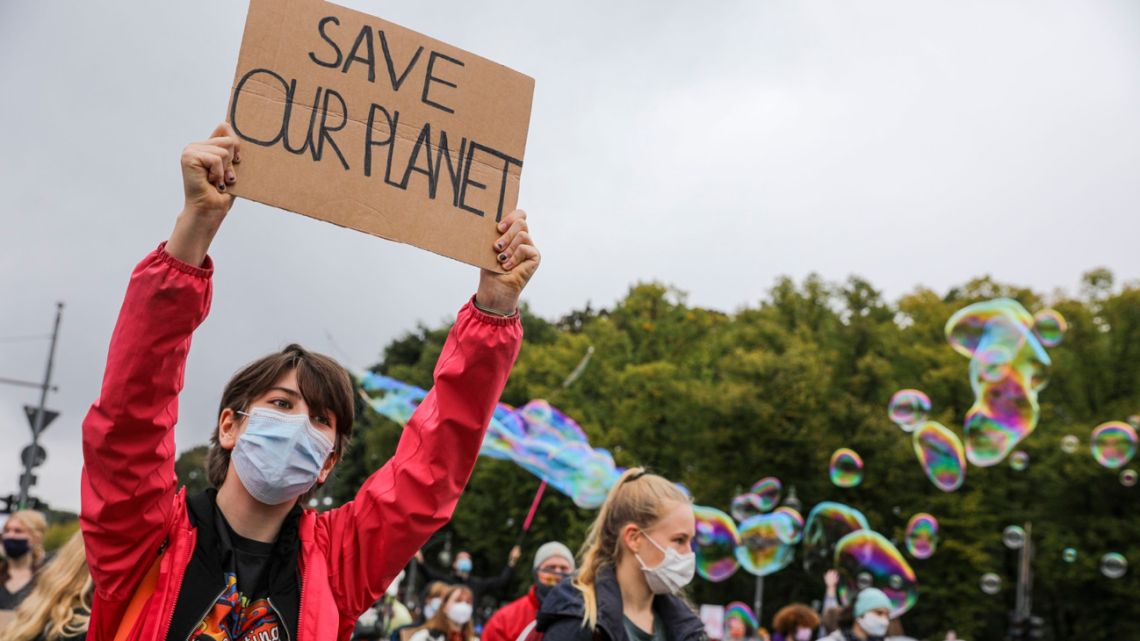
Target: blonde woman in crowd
x,y
636,559
60,604
452,622
23,539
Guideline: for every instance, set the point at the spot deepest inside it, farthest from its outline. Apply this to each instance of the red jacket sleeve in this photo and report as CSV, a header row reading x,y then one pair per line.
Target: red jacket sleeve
x,y
371,538
128,481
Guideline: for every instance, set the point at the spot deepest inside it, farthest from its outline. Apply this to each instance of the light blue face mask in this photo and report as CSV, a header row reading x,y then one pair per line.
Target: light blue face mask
x,y
463,565
279,456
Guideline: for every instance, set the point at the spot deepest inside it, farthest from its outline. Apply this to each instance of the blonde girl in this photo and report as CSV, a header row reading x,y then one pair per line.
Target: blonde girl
x,y
637,557
23,540
60,605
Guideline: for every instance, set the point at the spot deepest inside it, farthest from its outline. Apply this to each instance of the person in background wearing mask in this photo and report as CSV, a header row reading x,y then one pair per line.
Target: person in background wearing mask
x,y
552,563
739,626
795,622
872,615
452,622
245,559
461,573
23,537
60,605
637,556
430,603
387,614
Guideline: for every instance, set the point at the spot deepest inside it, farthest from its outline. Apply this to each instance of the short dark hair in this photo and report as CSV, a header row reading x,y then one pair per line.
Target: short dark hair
x,y
323,383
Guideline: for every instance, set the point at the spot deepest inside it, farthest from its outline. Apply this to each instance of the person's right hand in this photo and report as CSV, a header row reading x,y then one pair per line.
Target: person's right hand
x,y
207,170
830,580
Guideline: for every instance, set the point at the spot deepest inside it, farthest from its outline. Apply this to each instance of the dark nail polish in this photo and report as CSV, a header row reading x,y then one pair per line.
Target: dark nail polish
x,y
502,257
498,246
221,186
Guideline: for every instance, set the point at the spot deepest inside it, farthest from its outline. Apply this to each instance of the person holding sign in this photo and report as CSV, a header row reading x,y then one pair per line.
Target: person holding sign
x,y
243,560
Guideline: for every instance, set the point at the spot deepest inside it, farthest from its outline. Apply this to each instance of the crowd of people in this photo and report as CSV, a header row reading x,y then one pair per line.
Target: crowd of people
x,y
244,561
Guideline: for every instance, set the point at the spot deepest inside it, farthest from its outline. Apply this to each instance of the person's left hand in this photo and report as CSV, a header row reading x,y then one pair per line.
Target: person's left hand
x,y
513,557
519,258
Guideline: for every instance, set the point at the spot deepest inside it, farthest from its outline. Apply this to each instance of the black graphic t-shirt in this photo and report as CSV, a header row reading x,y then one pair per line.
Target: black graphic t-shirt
x,y
243,611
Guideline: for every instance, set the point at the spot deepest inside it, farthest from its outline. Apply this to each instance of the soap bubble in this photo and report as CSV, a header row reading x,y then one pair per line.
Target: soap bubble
x,y
763,548
742,611
792,531
745,506
715,543
768,489
1128,477
991,583
908,408
1013,537
1134,421
1069,555
1070,444
867,552
940,454
1050,327
922,535
1019,460
846,468
826,524
1008,367
864,580
1113,565
1113,444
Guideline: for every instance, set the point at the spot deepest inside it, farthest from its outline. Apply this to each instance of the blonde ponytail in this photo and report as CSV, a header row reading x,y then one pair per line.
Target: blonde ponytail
x,y
639,498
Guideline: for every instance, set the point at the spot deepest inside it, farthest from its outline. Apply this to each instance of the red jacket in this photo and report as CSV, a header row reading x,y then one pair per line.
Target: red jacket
x,y
510,620
132,513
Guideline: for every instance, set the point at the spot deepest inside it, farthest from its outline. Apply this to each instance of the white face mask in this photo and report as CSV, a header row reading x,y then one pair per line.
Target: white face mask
x,y
459,612
804,634
279,456
874,624
673,573
431,607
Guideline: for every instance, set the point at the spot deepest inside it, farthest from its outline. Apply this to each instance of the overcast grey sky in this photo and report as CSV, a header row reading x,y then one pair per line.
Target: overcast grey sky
x,y
711,145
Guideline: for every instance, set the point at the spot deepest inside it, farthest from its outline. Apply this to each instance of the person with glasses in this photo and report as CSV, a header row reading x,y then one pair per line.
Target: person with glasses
x,y
553,562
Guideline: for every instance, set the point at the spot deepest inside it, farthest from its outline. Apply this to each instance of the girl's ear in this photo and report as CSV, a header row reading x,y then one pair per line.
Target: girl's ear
x,y
327,469
630,538
229,428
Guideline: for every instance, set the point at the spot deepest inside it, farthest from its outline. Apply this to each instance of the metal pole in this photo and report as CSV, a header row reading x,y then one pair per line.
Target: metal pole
x,y
758,604
40,411
1025,576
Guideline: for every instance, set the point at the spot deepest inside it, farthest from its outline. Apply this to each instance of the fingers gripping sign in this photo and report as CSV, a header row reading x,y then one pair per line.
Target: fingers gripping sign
x,y
519,258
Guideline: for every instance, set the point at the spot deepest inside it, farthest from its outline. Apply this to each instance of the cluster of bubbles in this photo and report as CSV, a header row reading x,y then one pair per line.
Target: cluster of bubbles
x,y
537,437
1113,444
761,544
867,559
761,498
921,535
846,468
826,524
1008,367
940,453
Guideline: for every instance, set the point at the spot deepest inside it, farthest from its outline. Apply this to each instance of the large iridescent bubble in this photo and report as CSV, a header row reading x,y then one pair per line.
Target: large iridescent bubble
x,y
869,553
846,468
1008,367
1113,444
908,408
826,524
715,543
922,535
764,544
537,437
939,452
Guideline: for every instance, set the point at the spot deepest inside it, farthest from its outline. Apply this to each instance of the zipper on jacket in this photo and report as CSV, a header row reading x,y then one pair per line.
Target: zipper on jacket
x,y
213,602
180,573
281,619
301,599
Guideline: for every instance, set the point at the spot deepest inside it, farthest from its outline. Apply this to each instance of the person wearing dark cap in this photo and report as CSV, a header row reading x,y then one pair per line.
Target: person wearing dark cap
x,y
552,563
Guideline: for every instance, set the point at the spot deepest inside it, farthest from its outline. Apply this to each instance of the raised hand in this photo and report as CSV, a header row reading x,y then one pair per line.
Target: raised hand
x,y
519,258
207,171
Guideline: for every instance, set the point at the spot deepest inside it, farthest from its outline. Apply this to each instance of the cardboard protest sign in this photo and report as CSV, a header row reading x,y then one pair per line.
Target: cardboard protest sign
x,y
357,121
